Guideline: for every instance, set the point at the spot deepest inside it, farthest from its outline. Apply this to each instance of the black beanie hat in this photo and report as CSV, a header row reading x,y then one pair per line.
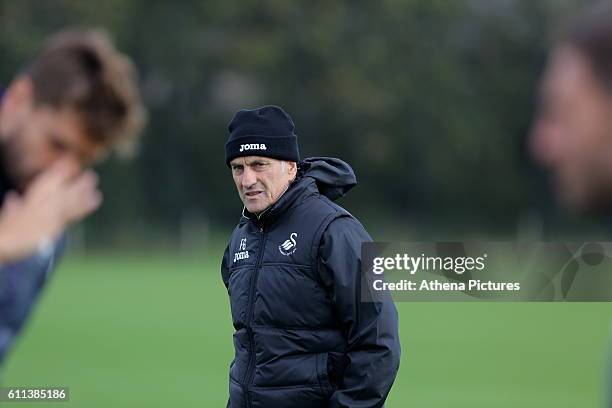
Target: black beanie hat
x,y
267,131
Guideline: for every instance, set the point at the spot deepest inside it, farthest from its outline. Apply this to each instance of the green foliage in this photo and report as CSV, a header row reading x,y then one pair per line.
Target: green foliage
x,y
430,101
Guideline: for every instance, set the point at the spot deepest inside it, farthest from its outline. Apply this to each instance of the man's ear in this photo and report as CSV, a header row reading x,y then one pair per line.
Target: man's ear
x,y
16,104
20,93
292,168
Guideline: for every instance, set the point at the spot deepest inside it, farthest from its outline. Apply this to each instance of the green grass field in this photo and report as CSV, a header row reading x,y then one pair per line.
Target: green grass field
x,y
155,331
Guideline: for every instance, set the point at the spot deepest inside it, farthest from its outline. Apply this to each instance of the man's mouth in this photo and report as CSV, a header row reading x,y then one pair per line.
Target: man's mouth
x,y
252,194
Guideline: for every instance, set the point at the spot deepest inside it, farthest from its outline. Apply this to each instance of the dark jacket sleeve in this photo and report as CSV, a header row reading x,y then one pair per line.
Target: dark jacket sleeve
x,y
225,277
225,267
371,328
21,284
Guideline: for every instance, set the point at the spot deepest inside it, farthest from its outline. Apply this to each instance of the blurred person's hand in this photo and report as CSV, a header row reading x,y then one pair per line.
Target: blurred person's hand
x,y
58,197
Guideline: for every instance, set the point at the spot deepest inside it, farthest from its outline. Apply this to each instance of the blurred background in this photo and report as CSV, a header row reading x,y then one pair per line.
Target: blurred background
x,y
429,100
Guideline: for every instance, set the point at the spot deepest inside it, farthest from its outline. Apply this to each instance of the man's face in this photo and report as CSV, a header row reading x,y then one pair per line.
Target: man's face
x,y
572,134
261,180
33,137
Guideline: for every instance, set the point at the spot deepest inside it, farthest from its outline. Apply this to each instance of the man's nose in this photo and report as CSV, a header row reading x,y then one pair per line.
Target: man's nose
x,y
544,143
74,160
69,165
248,178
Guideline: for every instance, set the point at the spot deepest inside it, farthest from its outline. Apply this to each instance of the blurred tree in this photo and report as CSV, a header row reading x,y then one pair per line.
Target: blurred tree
x,y
429,100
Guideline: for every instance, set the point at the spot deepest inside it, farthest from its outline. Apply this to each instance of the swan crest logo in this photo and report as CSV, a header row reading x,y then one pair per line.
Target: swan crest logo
x,y
289,246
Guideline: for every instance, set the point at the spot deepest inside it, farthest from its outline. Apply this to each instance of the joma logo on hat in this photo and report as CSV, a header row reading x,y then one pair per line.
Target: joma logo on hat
x,y
253,146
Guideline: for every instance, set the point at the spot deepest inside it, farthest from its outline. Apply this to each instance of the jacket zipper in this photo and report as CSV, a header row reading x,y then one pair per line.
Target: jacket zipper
x,y
251,307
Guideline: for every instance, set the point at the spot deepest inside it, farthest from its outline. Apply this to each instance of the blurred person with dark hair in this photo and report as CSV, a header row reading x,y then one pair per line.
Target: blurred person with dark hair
x,y
77,100
304,337
572,134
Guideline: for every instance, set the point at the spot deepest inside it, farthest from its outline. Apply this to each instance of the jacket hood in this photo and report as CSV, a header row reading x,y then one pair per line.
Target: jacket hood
x,y
334,177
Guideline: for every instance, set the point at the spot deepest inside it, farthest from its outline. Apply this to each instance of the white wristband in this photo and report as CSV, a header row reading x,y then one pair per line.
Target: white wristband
x,y
45,247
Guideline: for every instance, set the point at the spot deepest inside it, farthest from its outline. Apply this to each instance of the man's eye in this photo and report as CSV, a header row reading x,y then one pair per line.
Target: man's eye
x,y
58,145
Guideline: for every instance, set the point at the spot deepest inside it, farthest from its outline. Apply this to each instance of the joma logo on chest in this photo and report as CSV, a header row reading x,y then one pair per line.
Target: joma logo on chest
x,y
243,253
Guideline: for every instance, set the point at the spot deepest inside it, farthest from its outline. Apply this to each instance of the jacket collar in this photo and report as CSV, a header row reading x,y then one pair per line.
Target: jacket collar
x,y
299,188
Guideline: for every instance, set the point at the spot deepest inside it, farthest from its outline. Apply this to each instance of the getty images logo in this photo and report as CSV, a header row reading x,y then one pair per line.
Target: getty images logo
x,y
253,146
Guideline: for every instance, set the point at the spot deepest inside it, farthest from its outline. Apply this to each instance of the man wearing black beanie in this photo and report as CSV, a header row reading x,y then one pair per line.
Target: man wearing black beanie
x,y
292,270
